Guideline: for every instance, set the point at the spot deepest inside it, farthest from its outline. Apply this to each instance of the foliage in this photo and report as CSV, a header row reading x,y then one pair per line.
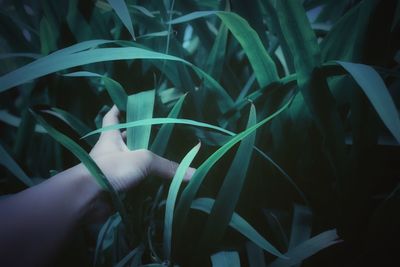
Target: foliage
x,y
294,102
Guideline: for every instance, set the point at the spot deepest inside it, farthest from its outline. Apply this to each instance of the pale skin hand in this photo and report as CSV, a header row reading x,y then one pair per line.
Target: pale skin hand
x,y
36,222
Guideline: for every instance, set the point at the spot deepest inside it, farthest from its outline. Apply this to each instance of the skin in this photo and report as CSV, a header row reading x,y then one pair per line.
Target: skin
x,y
36,222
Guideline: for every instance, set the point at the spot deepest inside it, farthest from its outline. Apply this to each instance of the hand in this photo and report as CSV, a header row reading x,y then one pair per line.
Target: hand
x,y
124,168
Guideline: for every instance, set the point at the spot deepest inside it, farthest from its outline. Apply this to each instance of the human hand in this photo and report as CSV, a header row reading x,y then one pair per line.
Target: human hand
x,y
123,168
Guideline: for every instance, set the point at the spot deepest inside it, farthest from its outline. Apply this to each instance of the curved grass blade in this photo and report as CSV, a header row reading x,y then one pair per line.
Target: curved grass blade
x,y
114,88
261,62
191,190
228,195
62,60
307,249
172,195
106,230
139,106
161,140
225,259
240,225
8,162
378,94
155,121
122,11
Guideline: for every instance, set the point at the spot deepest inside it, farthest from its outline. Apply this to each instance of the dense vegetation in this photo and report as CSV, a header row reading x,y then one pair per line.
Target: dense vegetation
x,y
294,103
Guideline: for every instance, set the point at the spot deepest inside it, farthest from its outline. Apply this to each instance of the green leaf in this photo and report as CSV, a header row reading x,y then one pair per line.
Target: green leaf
x,y
301,226
229,194
225,259
8,162
61,60
105,238
240,225
307,249
172,195
160,142
260,61
191,190
114,88
135,252
16,55
255,255
140,106
215,61
378,94
122,11
155,121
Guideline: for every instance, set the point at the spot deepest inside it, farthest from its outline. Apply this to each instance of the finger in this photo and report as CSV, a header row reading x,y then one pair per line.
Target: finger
x,y
166,168
111,118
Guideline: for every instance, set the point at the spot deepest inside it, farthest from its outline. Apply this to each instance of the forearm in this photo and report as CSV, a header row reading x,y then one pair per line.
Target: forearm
x,y
36,222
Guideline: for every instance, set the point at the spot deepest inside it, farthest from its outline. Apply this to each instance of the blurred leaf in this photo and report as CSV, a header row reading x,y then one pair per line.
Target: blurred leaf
x,y
134,253
261,62
375,89
8,162
225,259
139,107
255,255
307,249
105,238
301,226
215,60
114,88
229,194
240,225
122,11
171,198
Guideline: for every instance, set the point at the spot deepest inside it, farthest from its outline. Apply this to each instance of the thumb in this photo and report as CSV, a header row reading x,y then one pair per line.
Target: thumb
x,y
166,168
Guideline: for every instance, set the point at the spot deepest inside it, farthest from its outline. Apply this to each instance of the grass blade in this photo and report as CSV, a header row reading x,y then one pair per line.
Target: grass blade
x,y
225,259
62,60
240,225
191,190
262,64
140,106
375,89
172,195
122,11
161,140
307,249
228,195
8,162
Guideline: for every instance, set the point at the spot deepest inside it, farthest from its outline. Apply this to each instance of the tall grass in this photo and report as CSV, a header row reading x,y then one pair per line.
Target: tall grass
x,y
294,103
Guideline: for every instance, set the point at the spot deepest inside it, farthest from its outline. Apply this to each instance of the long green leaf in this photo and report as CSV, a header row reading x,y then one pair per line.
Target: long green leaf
x,y
171,198
260,61
240,225
225,259
375,89
229,194
140,106
8,162
61,60
191,190
122,11
307,249
155,121
160,142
